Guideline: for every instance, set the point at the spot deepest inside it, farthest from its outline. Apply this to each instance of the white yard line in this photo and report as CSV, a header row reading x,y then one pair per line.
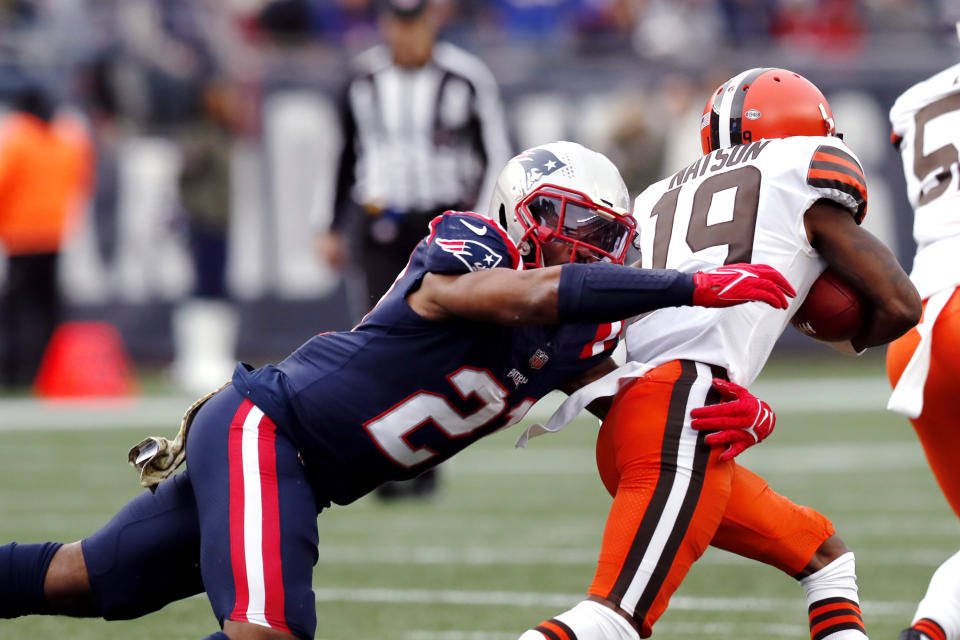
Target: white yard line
x,y
803,395
535,556
684,629
874,608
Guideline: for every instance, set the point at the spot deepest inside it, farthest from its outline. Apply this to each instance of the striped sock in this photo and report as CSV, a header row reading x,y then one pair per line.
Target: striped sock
x,y
588,620
833,601
830,618
553,629
930,629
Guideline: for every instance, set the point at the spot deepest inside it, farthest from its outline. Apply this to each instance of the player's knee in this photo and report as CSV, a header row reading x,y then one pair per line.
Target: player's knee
x,y
831,549
236,630
67,585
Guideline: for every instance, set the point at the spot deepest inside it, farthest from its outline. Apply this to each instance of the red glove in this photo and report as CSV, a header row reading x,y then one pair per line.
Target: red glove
x,y
734,284
741,422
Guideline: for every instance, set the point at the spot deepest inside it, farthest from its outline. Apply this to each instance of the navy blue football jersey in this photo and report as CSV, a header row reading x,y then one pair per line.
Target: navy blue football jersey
x,y
399,394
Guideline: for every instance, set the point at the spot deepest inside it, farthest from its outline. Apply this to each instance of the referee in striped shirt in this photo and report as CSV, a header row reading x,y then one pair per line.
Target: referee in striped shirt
x,y
424,132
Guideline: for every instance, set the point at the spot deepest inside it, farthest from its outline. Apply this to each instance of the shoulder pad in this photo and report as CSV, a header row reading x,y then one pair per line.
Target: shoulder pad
x,y
462,241
835,172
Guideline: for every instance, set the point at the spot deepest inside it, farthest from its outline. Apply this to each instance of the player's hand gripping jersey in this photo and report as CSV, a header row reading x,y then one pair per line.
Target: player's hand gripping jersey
x,y
744,203
926,130
358,423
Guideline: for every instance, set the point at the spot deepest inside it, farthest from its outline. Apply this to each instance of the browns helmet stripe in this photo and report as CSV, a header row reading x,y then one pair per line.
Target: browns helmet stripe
x,y
736,107
715,121
731,106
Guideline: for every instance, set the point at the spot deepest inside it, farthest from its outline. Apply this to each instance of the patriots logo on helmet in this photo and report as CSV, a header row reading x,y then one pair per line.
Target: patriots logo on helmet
x,y
475,255
538,163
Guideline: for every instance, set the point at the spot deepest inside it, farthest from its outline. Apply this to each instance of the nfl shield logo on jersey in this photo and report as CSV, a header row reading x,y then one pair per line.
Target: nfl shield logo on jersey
x,y
538,359
475,255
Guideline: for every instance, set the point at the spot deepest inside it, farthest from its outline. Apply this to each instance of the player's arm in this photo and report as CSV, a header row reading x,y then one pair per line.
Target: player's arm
x,y
870,267
597,292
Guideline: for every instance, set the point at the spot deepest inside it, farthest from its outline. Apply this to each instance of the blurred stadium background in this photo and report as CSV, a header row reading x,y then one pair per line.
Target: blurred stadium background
x,y
513,535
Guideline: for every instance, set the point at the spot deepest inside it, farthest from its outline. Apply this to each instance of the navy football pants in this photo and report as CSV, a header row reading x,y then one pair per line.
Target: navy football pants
x,y
240,523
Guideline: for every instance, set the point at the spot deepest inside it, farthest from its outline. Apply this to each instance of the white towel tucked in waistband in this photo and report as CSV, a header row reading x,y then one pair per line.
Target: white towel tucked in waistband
x,y
608,385
907,396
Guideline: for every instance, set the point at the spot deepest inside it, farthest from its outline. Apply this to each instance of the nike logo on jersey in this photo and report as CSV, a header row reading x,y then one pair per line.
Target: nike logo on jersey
x,y
479,230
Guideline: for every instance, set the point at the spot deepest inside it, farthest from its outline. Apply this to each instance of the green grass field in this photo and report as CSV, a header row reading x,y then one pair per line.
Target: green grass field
x,y
513,536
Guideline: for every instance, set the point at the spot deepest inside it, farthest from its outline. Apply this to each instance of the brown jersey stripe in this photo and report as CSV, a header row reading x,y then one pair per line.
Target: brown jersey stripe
x,y
844,160
852,191
826,174
839,153
676,412
930,628
822,165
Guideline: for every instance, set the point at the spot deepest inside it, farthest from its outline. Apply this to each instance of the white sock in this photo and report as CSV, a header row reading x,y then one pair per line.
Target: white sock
x,y
942,600
588,620
833,601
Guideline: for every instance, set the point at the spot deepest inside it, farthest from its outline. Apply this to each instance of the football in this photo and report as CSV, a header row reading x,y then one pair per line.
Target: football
x,y
832,310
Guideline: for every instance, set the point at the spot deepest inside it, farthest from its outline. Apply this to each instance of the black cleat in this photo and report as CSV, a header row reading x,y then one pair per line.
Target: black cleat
x,y
912,634
423,486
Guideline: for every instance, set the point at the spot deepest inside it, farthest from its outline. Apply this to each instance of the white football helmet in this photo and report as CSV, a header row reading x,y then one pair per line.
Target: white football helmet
x,y
564,192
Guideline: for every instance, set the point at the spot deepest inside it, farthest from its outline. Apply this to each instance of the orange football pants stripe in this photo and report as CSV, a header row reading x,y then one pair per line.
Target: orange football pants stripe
x,y
648,548
938,426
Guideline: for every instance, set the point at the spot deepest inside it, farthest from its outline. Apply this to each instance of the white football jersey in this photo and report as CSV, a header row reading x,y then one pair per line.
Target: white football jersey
x,y
744,203
926,127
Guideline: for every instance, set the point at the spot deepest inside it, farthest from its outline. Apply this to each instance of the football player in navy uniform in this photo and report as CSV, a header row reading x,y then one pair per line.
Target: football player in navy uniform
x,y
466,340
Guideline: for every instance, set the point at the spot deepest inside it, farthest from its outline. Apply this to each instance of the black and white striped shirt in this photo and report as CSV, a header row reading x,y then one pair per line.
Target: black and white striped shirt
x,y
423,139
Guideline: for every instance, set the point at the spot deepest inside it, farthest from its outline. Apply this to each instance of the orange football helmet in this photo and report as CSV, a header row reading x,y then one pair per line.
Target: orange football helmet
x,y
764,103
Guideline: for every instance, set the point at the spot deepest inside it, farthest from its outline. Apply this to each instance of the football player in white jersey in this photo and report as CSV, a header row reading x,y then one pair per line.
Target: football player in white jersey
x,y
777,186
924,365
